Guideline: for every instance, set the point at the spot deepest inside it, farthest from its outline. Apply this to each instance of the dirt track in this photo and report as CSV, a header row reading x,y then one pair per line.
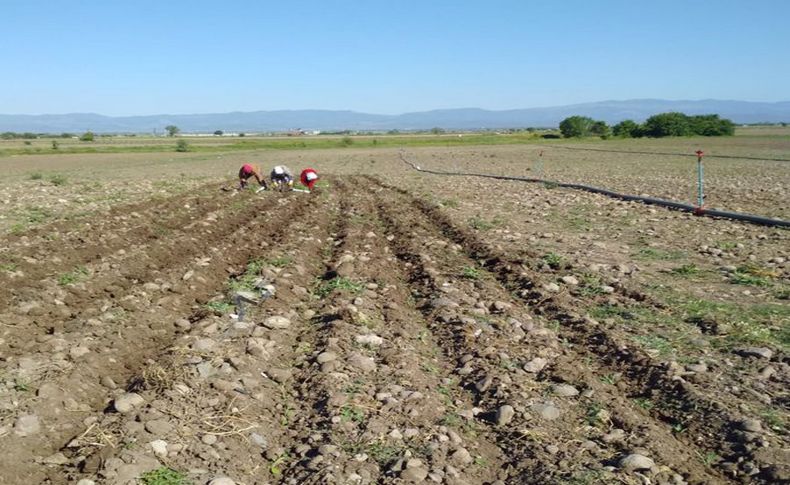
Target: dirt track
x,y
412,351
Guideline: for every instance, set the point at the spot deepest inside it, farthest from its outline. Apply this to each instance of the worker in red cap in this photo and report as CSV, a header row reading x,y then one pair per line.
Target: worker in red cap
x,y
246,171
308,178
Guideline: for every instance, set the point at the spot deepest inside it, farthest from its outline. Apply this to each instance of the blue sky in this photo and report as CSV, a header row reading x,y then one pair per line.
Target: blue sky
x,y
176,57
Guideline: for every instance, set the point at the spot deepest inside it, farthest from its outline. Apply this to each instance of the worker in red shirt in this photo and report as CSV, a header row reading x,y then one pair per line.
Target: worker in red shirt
x,y
308,178
246,171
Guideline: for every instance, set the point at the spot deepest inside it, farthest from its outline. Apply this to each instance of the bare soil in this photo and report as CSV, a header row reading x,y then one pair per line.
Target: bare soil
x,y
412,328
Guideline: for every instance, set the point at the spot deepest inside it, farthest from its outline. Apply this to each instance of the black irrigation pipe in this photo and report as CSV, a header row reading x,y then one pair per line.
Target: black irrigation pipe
x,y
736,157
698,211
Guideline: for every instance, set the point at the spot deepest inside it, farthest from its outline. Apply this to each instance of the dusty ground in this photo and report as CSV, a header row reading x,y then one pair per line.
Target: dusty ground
x,y
415,328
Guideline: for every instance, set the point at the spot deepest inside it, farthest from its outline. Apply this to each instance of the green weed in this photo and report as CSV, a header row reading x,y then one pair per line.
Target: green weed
x,y
57,179
644,403
593,414
686,270
708,458
72,277
452,203
163,476
275,468
590,285
610,379
220,307
36,176
470,272
554,260
351,413
659,344
338,283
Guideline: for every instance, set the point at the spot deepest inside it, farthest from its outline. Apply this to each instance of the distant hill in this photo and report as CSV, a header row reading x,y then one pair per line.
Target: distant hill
x,y
326,120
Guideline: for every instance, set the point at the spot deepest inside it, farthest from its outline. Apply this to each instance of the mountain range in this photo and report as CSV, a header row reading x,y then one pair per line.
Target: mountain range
x,y
453,119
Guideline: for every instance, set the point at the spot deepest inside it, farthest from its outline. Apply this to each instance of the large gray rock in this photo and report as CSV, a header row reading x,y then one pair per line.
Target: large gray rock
x,y
277,322
128,402
635,462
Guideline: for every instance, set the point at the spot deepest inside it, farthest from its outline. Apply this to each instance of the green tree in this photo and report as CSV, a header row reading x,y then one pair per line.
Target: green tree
x,y
600,128
218,133
668,124
711,125
626,129
87,136
172,130
576,126
436,130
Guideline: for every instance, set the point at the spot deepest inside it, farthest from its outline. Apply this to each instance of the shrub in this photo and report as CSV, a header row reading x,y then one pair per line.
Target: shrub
x,y
626,129
576,126
182,146
87,136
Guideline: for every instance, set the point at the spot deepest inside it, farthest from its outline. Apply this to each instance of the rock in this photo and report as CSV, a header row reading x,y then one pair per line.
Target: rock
x,y
564,390
56,459
551,287
256,347
371,339
613,436
535,365
158,427
416,474
259,440
159,447
607,289
761,352
698,368
107,382
204,345
365,364
128,402
635,462
277,323
751,425
570,280
77,352
188,275
504,414
86,481
222,481
27,425
327,356
206,370
209,439
548,412
501,307
279,375
461,457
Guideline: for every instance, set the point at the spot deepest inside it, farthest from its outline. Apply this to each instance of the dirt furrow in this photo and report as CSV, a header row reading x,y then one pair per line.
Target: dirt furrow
x,y
75,363
385,396
722,435
605,408
39,253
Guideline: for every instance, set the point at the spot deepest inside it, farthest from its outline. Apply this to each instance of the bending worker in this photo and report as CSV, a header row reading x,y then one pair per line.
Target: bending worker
x,y
247,170
282,178
308,178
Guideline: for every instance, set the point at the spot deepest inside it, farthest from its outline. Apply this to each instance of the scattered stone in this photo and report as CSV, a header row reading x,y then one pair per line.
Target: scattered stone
x,y
751,425
570,280
365,364
548,412
416,474
501,307
77,352
614,436
209,439
279,376
86,481
327,356
222,481
188,275
56,459
698,368
158,427
564,390
504,414
635,462
107,382
128,402
761,352
259,440
27,425
607,289
461,457
551,287
277,323
535,365
204,345
159,447
371,339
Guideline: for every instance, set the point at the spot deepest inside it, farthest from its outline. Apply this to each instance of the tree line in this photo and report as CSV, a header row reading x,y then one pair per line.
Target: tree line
x,y
657,126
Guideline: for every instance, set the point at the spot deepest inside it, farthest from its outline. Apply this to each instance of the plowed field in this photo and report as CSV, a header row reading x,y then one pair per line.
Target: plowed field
x,y
393,328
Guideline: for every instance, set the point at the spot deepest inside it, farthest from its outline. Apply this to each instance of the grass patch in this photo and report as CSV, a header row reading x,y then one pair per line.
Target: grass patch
x,y
470,273
481,224
658,254
57,179
590,285
686,270
554,260
78,274
36,176
220,307
656,343
247,280
452,203
351,413
163,476
339,283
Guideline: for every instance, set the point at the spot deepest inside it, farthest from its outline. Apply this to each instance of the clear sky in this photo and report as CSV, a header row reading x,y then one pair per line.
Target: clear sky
x,y
150,57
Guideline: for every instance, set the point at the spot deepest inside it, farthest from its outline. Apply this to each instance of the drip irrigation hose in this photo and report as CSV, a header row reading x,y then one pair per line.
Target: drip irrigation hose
x,y
634,152
698,211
